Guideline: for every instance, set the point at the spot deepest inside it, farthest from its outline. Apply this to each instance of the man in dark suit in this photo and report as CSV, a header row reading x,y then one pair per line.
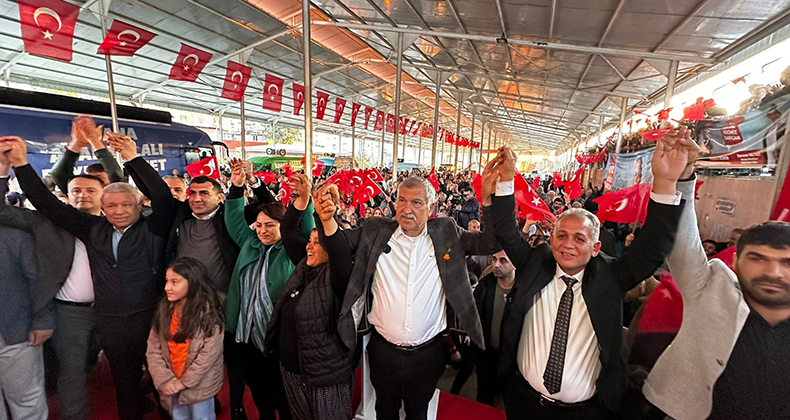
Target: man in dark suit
x,y
563,354
409,282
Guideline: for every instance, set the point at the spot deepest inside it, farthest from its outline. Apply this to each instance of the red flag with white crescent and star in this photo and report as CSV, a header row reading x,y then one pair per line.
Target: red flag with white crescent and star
x,y
273,93
298,98
373,174
417,128
205,167
427,131
189,63
365,192
354,112
48,28
340,106
368,113
379,121
322,100
124,39
433,179
628,205
528,203
236,78
391,123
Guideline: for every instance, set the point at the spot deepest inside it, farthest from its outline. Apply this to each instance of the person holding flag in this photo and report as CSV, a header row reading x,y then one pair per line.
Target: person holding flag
x,y
561,340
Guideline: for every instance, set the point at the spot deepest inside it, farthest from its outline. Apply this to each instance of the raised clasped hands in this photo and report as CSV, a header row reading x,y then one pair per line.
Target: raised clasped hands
x,y
124,145
324,199
670,160
237,175
14,150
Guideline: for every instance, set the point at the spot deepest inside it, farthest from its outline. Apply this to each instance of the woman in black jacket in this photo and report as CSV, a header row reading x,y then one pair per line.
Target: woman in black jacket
x,y
317,369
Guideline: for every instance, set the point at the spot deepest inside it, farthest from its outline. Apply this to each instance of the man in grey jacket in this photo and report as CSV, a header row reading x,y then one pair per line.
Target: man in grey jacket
x,y
729,359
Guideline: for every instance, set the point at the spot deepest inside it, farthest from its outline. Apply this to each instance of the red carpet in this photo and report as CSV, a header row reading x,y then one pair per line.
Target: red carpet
x,y
102,402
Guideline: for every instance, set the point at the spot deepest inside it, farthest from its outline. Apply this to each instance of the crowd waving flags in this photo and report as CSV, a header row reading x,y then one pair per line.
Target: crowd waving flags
x,y
47,29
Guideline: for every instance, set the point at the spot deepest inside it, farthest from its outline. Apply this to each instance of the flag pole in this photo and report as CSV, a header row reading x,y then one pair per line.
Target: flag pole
x,y
108,65
243,120
308,91
396,123
436,118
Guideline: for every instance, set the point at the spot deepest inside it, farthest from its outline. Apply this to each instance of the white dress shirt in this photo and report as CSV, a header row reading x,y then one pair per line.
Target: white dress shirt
x,y
408,298
582,362
79,284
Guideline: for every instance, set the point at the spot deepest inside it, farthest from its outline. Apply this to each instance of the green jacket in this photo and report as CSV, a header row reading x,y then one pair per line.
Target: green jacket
x,y
280,266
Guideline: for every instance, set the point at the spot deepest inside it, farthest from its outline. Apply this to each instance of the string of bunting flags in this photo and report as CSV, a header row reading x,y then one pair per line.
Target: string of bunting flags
x,y
47,28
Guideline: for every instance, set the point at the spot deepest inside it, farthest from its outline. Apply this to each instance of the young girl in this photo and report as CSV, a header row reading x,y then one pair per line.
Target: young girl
x,y
185,344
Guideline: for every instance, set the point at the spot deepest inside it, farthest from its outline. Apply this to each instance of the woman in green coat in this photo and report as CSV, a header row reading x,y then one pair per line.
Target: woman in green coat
x,y
258,279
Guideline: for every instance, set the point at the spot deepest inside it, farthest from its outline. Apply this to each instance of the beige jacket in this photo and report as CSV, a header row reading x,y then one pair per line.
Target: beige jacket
x,y
714,312
203,370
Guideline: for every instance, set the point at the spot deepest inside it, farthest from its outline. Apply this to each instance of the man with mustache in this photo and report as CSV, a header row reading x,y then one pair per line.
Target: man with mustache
x,y
729,359
409,278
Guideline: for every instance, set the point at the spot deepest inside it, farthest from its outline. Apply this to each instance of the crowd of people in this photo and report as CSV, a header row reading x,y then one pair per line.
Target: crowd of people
x,y
198,281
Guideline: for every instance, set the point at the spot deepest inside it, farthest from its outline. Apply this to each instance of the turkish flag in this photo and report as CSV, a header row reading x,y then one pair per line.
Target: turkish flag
x,y
298,98
528,204
433,180
205,167
367,190
340,106
273,93
727,256
379,121
628,205
416,129
286,188
323,99
427,131
556,180
402,125
266,177
236,78
390,123
354,112
374,175
574,187
189,63
124,39
48,28
318,167
368,113
341,179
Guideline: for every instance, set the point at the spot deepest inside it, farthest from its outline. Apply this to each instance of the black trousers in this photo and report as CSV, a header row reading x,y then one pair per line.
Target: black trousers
x,y
407,376
522,404
235,368
124,340
262,375
488,384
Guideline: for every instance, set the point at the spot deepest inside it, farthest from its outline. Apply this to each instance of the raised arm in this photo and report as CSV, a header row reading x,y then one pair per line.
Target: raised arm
x,y
238,229
499,174
657,237
294,241
338,245
162,203
72,220
259,190
63,170
483,242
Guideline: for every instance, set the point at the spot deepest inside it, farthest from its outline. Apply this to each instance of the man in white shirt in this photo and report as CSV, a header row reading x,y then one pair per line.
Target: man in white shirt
x,y
563,354
75,318
409,278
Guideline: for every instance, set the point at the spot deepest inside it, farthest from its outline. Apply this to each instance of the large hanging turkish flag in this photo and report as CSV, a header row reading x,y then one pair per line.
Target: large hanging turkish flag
x,y
236,79
48,27
390,123
354,112
124,39
273,93
323,99
205,167
189,63
298,98
379,121
628,205
368,113
340,106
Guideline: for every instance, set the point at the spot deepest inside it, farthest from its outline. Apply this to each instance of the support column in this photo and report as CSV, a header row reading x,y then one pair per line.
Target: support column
x,y
672,78
472,139
381,149
308,91
623,106
242,118
457,134
397,109
436,118
105,6
353,145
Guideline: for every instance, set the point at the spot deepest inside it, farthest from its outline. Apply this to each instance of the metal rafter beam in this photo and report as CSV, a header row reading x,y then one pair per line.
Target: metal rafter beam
x,y
688,58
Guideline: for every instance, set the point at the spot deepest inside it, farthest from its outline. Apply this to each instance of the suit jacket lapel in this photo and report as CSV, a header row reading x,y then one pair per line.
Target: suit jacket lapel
x,y
439,250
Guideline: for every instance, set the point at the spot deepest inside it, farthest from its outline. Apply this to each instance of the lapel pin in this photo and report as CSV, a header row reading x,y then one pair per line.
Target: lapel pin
x,y
447,254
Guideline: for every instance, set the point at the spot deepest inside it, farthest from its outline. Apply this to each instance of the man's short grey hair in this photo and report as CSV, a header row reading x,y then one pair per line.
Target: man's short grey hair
x,y
177,178
122,187
583,214
414,182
